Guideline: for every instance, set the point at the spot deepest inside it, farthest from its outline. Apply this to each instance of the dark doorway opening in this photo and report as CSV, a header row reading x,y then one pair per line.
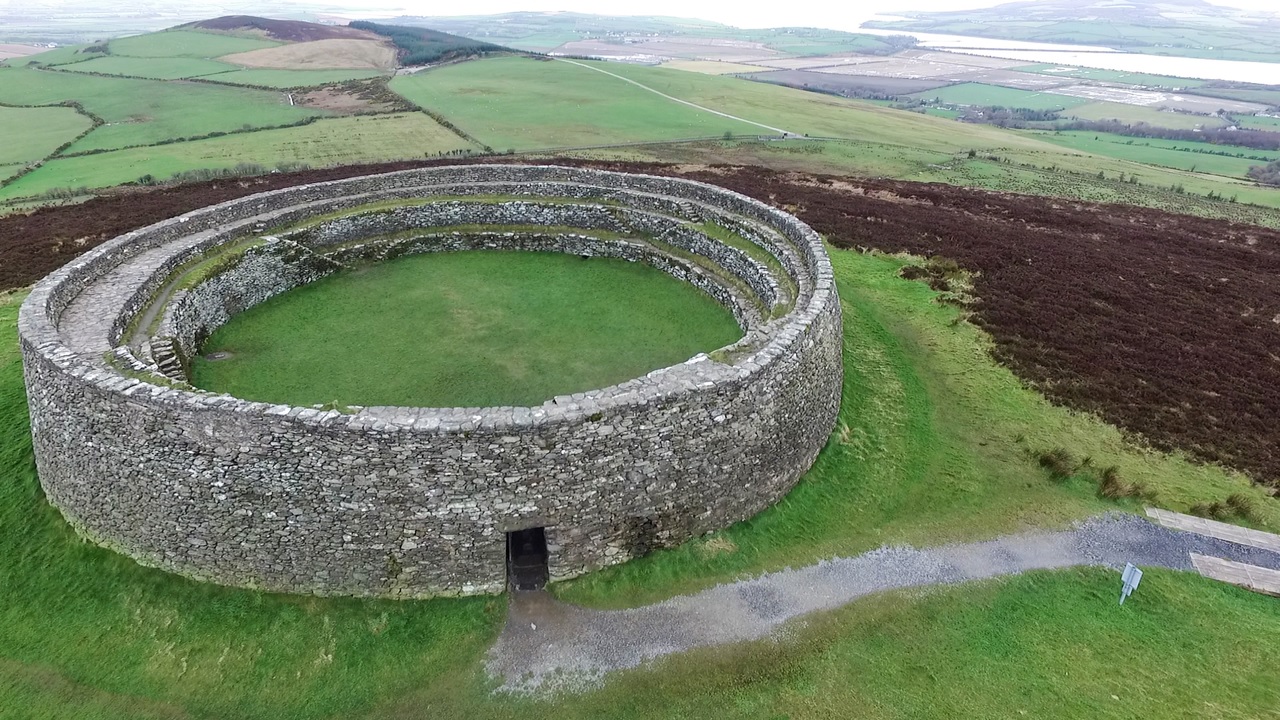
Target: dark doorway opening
x,y
527,559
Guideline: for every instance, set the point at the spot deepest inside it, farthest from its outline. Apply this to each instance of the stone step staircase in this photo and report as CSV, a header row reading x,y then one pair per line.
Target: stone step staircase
x,y
690,211
168,360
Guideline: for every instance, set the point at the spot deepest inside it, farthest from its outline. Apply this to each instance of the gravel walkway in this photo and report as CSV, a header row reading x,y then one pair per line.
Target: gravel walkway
x,y
551,645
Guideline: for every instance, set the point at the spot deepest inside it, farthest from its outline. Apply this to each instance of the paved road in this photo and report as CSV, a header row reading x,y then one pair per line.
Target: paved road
x,y
549,644
780,131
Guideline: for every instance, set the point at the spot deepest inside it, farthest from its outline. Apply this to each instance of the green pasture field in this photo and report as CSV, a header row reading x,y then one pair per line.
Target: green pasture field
x,y
928,449
1163,153
1247,52
903,139
984,95
539,42
824,44
942,113
1269,97
1259,123
31,134
886,142
1136,113
467,329
336,141
291,78
141,112
56,56
185,43
524,104
820,115
1117,76
172,68
836,157
520,103
1256,204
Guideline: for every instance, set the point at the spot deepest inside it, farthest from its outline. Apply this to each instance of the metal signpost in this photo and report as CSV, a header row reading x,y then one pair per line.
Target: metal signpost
x,y
1131,577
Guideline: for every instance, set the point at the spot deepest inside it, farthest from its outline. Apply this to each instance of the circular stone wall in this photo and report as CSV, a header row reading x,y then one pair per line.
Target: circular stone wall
x,y
410,502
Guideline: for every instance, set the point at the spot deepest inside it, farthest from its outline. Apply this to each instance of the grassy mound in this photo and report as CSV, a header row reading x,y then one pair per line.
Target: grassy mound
x,y
470,329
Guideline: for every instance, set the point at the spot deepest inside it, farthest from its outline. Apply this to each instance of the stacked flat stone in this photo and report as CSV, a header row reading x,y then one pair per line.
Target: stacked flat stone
x,y
414,502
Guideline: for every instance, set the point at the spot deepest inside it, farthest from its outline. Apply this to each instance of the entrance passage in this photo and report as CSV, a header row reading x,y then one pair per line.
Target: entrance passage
x,y
527,559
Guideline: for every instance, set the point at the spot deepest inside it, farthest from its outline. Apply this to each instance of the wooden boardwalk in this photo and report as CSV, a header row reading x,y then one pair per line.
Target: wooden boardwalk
x,y
1251,577
1213,528
1254,578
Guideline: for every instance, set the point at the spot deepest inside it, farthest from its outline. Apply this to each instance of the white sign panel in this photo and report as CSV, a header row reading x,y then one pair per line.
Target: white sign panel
x,y
1131,577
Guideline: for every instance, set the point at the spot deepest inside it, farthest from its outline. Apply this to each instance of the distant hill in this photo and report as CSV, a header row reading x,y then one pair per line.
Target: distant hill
x,y
419,46
283,30
562,31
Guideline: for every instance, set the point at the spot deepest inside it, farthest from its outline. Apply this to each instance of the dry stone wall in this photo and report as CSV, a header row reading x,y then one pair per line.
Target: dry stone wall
x,y
412,502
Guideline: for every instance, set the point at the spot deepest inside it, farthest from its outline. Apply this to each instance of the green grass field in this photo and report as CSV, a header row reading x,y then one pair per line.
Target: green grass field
x,y
525,104
1163,153
888,142
1259,123
473,329
1266,97
185,44
1117,76
33,133
141,112
372,138
926,451
979,94
155,68
55,56
291,78
1136,114
821,115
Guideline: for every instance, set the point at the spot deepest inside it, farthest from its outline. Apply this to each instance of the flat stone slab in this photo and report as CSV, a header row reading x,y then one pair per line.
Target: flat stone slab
x,y
1215,529
1251,577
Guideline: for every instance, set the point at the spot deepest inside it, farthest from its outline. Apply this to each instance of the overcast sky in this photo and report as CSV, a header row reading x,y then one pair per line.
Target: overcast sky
x,y
819,13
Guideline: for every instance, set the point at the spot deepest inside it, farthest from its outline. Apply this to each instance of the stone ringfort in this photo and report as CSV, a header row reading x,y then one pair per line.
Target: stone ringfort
x,y
413,502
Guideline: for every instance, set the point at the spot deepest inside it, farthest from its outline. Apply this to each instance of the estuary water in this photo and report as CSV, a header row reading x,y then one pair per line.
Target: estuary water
x,y
1102,58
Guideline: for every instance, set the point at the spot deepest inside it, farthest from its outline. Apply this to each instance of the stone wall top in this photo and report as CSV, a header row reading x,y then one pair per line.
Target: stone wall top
x,y
119,275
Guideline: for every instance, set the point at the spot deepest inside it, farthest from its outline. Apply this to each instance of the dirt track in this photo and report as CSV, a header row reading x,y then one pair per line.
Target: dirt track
x,y
1166,325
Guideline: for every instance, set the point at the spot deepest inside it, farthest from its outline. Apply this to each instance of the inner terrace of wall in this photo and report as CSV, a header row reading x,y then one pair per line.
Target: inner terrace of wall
x,y
743,268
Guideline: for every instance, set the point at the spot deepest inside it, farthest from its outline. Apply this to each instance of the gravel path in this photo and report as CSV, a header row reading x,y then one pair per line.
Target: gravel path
x,y
548,644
